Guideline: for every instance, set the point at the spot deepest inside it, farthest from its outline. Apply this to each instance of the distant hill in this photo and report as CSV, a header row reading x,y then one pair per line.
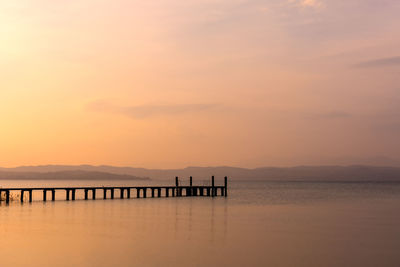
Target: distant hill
x,y
300,173
65,175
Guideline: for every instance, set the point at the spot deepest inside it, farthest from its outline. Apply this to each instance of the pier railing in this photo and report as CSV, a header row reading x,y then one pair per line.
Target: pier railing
x,y
124,191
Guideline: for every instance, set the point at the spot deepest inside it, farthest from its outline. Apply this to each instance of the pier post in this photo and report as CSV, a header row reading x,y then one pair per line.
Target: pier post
x,y
67,194
128,193
94,193
177,185
45,195
226,186
30,195
194,191
137,192
53,195
22,195
173,192
7,196
73,194
191,185
104,193
166,192
145,192
86,194
159,192
112,193
152,192
213,186
201,189
121,193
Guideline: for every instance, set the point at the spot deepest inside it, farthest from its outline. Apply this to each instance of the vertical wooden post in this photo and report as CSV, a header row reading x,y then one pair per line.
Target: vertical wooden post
x,y
121,193
104,193
166,192
53,195
22,195
226,187
137,192
145,192
173,192
112,193
7,196
128,192
94,193
152,192
159,192
212,186
45,195
191,185
177,185
30,195
67,194
73,194
86,194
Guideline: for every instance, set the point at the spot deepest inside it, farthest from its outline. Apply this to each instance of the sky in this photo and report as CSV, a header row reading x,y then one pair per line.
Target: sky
x,y
170,84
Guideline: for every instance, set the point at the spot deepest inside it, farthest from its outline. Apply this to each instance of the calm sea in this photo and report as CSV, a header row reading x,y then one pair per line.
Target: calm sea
x,y
258,224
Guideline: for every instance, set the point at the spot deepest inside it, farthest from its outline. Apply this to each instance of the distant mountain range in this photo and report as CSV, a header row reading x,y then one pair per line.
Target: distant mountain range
x,y
301,173
64,175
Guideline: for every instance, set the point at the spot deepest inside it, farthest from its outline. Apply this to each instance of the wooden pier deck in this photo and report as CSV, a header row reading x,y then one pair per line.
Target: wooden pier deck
x,y
125,191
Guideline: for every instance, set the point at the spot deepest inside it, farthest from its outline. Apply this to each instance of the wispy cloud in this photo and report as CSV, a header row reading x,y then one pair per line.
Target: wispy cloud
x,y
146,111
380,62
337,114
307,3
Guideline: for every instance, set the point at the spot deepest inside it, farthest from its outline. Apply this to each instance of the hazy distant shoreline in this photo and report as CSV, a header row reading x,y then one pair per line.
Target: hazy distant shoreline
x,y
72,175
355,173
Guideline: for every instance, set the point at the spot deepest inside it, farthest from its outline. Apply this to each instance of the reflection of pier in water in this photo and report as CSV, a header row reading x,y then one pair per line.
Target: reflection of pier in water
x,y
125,191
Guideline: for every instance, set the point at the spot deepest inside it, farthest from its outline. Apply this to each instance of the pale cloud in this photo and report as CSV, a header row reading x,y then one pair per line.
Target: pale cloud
x,y
380,62
147,111
306,3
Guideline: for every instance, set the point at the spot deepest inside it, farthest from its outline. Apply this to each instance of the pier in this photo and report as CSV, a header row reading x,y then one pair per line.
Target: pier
x,y
124,191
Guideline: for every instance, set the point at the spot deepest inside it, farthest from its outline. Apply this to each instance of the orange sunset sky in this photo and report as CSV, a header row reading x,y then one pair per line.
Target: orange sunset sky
x,y
168,83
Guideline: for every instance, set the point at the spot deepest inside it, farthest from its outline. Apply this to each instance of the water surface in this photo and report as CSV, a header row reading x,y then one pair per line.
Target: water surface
x,y
259,224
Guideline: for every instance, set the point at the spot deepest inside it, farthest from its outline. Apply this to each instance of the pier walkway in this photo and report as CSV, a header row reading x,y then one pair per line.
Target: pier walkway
x,y
124,191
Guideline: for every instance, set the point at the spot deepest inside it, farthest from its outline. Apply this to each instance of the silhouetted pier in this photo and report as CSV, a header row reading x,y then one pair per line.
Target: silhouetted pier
x,y
124,191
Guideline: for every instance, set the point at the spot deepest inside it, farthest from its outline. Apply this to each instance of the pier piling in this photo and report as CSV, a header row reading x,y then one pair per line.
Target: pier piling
x,y
212,186
225,186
